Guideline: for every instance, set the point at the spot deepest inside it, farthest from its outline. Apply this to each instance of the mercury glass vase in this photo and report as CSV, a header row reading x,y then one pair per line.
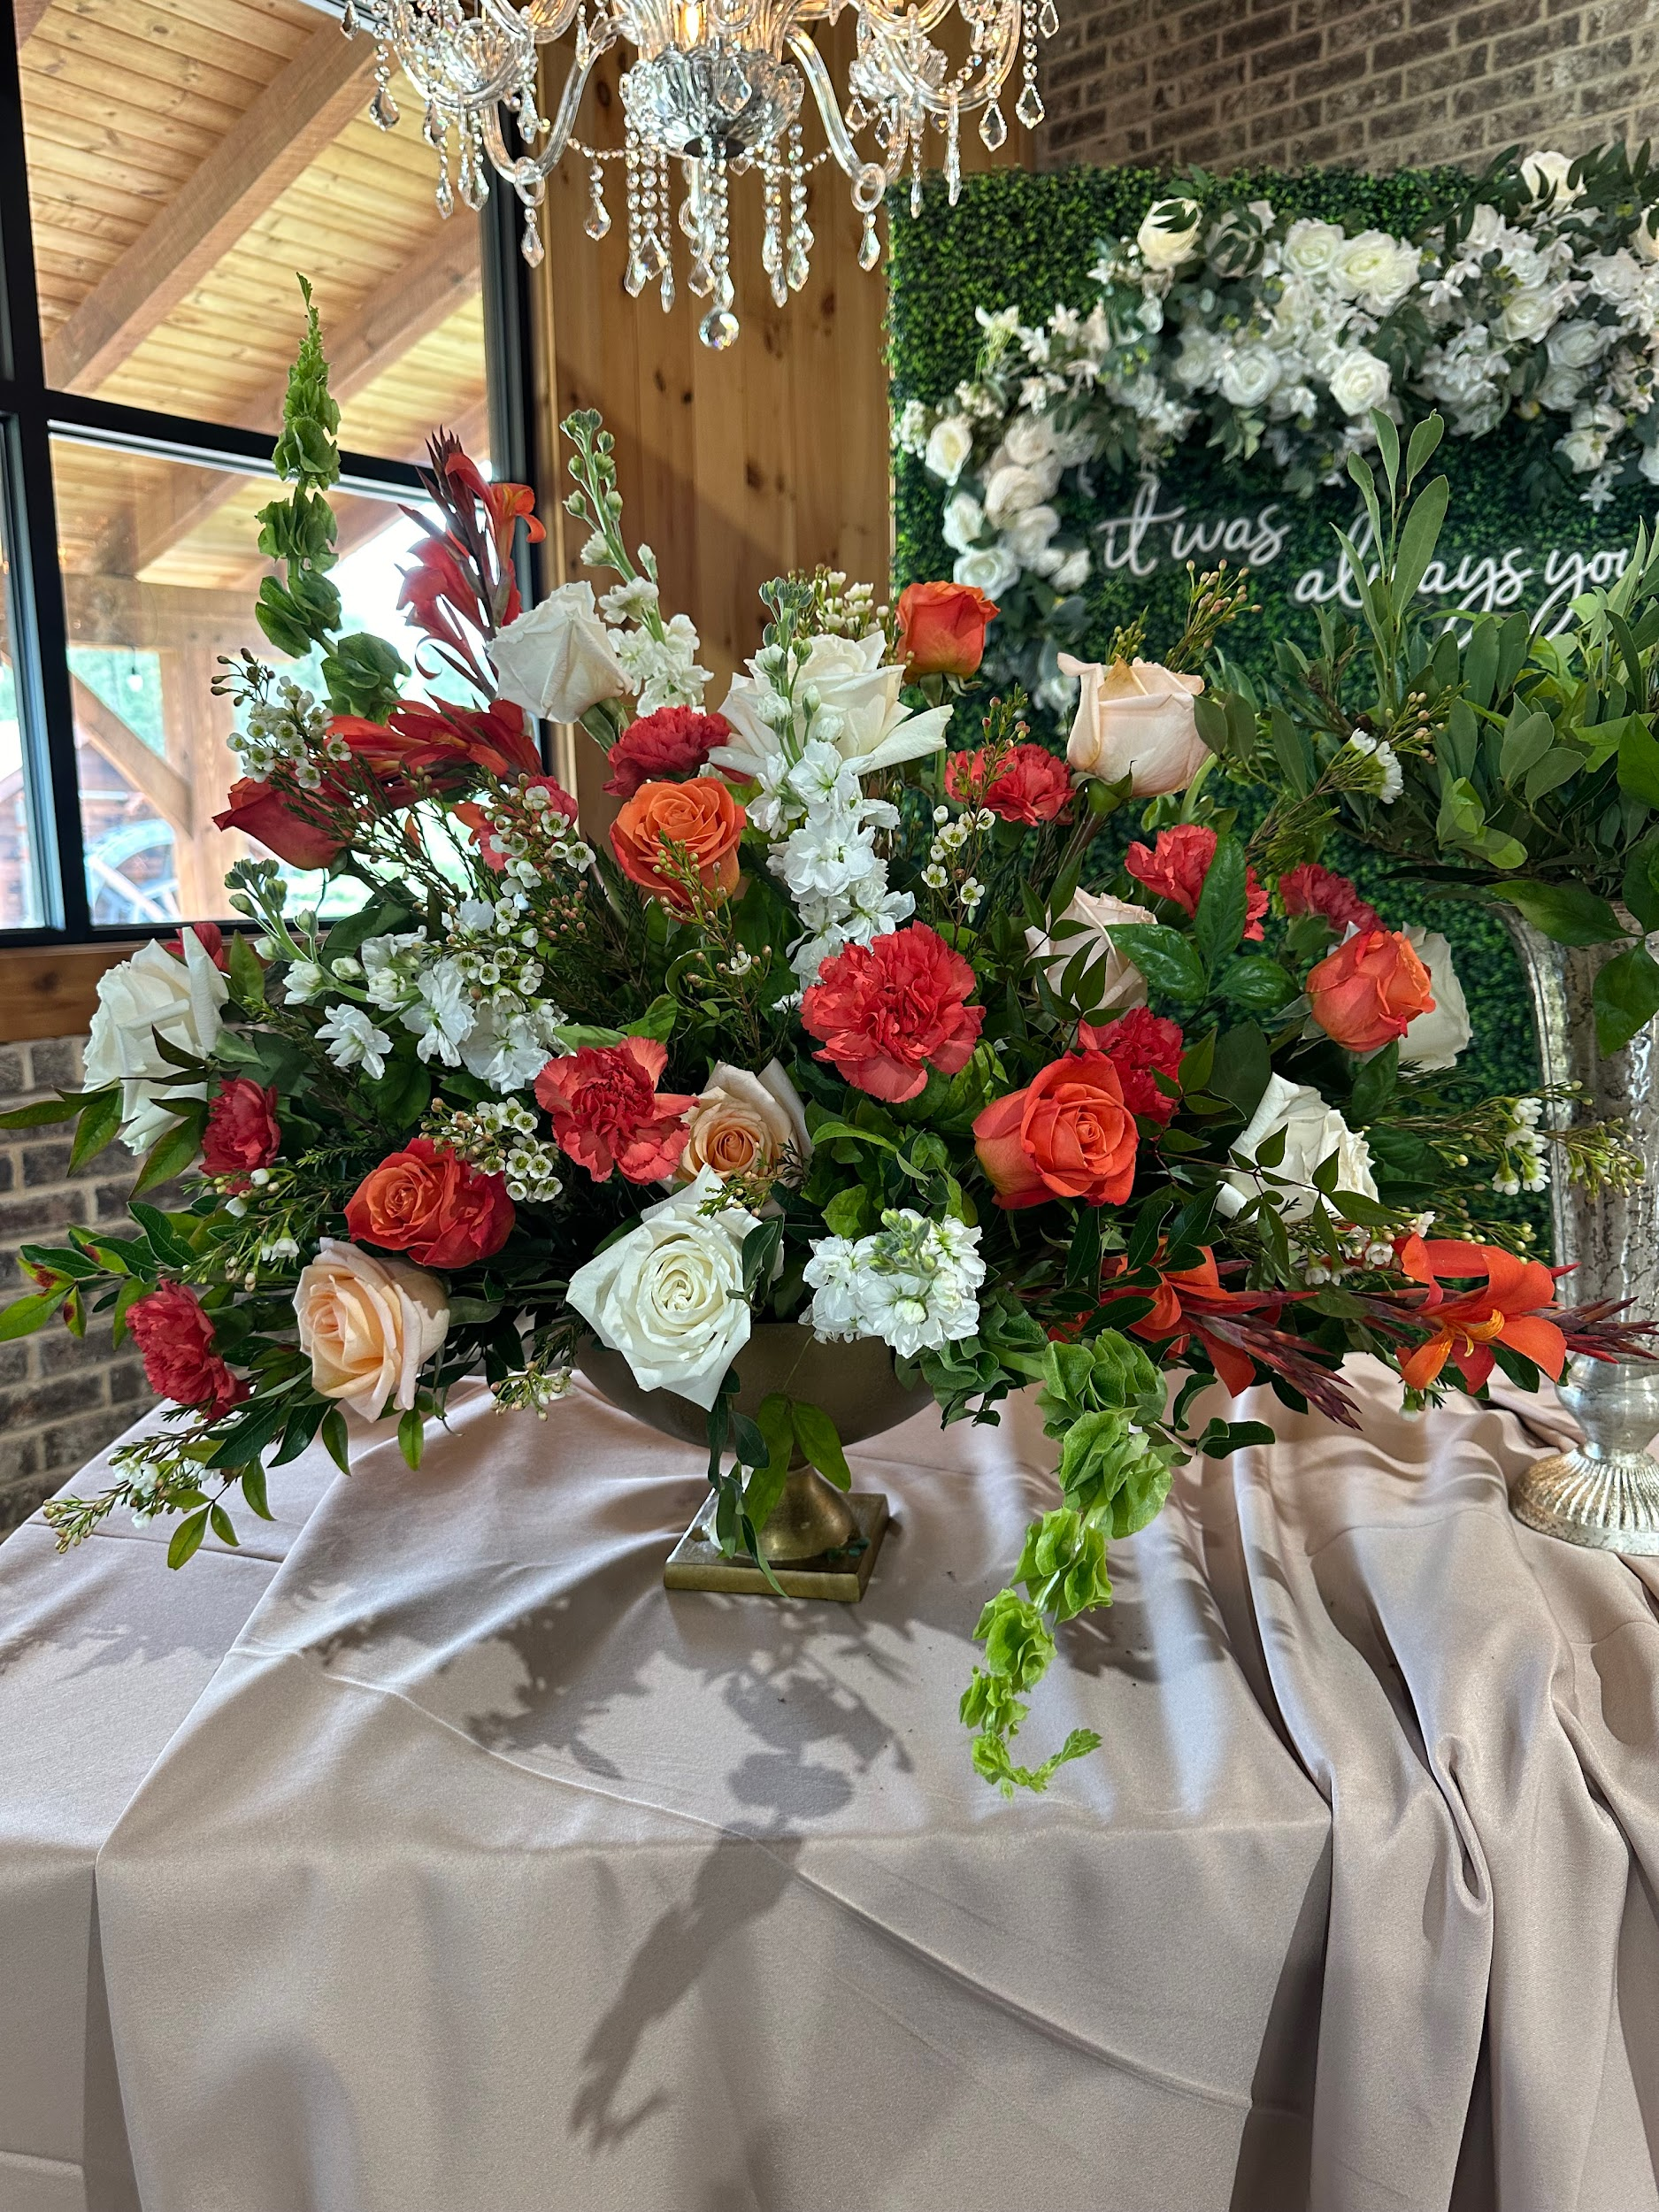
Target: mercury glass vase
x,y
1605,1492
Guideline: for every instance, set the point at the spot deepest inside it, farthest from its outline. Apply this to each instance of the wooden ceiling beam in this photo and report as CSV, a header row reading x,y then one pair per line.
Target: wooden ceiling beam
x,y
26,15
115,610
304,108
138,764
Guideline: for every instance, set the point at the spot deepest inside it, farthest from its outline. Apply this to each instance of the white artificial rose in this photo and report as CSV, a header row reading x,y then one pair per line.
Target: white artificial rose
x,y
1546,170
1644,242
1072,570
1313,1131
1486,228
1199,361
1530,312
1029,440
557,659
1648,462
1310,248
669,1295
1010,488
991,569
1119,984
1029,535
367,1324
1135,718
859,710
1584,448
1359,382
964,520
950,447
1249,373
1375,269
1575,345
154,991
1560,390
1435,1038
1168,232
746,1125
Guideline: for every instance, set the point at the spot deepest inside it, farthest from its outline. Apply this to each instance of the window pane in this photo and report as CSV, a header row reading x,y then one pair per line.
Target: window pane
x,y
185,159
19,884
160,567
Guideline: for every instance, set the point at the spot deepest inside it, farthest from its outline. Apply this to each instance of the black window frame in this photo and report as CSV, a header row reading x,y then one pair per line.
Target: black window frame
x,y
32,413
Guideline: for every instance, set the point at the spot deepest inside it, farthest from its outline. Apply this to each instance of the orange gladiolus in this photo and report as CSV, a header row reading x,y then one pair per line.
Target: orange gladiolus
x,y
1508,1307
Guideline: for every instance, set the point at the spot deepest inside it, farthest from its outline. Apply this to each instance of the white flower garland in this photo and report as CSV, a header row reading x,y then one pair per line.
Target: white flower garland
x,y
1281,336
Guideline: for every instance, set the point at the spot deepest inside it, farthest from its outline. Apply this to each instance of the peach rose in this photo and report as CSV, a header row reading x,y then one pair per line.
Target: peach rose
x,y
1068,1134
1135,718
367,1325
701,817
1369,990
745,1125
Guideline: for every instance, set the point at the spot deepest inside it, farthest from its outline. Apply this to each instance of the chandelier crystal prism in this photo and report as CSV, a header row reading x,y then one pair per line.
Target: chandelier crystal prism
x,y
715,91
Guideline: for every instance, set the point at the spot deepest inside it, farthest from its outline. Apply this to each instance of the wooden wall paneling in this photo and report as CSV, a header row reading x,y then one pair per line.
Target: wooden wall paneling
x,y
53,993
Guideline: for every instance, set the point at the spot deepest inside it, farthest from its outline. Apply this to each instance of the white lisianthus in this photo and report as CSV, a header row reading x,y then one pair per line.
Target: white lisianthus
x,y
368,1324
1435,1038
1313,1131
913,1284
1117,983
557,659
1249,373
964,520
1360,383
669,1295
1168,232
859,711
950,447
1311,248
1135,718
992,569
1547,170
153,992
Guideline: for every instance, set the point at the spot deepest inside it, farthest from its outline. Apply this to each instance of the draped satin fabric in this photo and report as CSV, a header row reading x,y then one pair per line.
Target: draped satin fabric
x,y
481,1875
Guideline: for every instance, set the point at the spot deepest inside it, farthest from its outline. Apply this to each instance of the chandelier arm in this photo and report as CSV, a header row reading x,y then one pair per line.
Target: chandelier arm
x,y
528,172
997,68
870,179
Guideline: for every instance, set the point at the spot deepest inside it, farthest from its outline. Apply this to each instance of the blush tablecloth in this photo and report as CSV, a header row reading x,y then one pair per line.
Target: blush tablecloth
x,y
429,1857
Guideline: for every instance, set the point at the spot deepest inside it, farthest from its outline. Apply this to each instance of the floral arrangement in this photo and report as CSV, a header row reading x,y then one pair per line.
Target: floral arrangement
x,y
1275,340
832,1025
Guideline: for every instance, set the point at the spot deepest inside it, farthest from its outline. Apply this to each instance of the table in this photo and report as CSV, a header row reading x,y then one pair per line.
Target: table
x,y
445,1863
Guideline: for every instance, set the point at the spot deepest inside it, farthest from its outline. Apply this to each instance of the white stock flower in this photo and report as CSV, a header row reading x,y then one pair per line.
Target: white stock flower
x,y
1360,381
367,1324
1310,248
1434,1039
1313,1131
859,711
441,1017
1547,170
153,992
669,1295
1249,373
1117,984
1135,719
992,569
964,520
556,660
664,671
913,1284
950,447
1168,232
353,1040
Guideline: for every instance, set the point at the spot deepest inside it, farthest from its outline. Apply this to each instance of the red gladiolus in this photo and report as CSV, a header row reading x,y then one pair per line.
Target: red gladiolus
x,y
1369,990
1140,1045
1311,889
437,1208
258,811
609,1114
1175,869
888,1011
663,747
242,1131
941,629
1068,1134
428,737
1029,784
176,1338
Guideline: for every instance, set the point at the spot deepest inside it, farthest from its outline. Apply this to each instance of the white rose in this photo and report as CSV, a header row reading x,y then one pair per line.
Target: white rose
x,y
1313,1130
1584,448
1028,537
1199,361
1643,241
153,991
1072,570
1648,462
1311,248
1012,488
745,1125
992,569
1575,345
1485,228
964,519
1435,1038
557,659
1168,232
1135,718
1359,382
1249,373
1529,313
367,1324
950,447
1375,269
1120,984
1560,390
669,1295
1546,170
1029,440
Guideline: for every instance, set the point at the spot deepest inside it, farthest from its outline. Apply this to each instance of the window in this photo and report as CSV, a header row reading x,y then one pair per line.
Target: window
x,y
164,173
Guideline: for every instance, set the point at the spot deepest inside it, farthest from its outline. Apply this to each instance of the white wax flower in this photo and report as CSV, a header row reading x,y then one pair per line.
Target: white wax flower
x,y
1168,232
1313,1131
154,991
1135,719
367,1324
557,659
1434,1039
1117,983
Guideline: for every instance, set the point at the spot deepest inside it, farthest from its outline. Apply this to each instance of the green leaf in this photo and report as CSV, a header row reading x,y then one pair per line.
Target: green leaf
x,y
162,1237
1638,762
819,1445
412,1437
848,1214
172,1153
1626,997
1293,753
1480,664
1560,763
658,1021
247,977
1243,1065
100,1120
1218,923
1165,957
761,1248
749,1447
1525,742
1374,1085
253,1490
1641,882
1418,535
1424,439
223,1527
1222,1437
187,1538
333,1431
44,1110
27,1313
1566,912
831,1131
1257,984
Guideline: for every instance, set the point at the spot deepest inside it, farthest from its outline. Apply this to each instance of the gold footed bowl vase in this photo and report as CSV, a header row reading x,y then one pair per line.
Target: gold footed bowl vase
x,y
820,1541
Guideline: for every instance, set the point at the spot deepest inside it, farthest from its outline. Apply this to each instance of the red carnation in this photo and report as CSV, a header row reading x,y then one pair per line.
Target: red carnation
x,y
663,747
888,1012
608,1112
242,1131
433,1205
1029,784
1141,1046
1311,889
176,1339
1175,869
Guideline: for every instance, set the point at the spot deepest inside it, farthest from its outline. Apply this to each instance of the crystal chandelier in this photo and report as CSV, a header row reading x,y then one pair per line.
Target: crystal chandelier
x,y
715,90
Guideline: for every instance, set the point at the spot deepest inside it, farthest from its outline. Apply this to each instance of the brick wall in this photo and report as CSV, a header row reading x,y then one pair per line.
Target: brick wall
x,y
61,1398
1373,84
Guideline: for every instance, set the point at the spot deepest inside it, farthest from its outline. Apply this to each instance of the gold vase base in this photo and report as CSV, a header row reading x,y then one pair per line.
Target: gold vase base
x,y
695,1563
1606,1504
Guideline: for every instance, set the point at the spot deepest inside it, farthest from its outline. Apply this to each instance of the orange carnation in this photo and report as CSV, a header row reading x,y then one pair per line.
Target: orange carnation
x,y
663,821
1369,990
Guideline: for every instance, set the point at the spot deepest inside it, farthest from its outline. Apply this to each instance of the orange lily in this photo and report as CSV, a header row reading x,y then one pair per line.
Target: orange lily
x,y
1507,1307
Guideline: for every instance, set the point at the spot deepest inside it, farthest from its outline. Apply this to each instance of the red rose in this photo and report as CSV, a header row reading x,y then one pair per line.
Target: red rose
x,y
941,629
559,802
665,746
1030,785
1068,1134
1175,869
700,822
176,1339
259,812
211,937
1311,889
242,1131
608,1112
1140,1045
437,1208
1369,990
888,1012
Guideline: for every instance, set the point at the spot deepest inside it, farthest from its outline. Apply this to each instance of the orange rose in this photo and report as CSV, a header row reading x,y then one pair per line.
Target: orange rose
x,y
1369,990
701,819
431,1204
1068,1134
941,629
